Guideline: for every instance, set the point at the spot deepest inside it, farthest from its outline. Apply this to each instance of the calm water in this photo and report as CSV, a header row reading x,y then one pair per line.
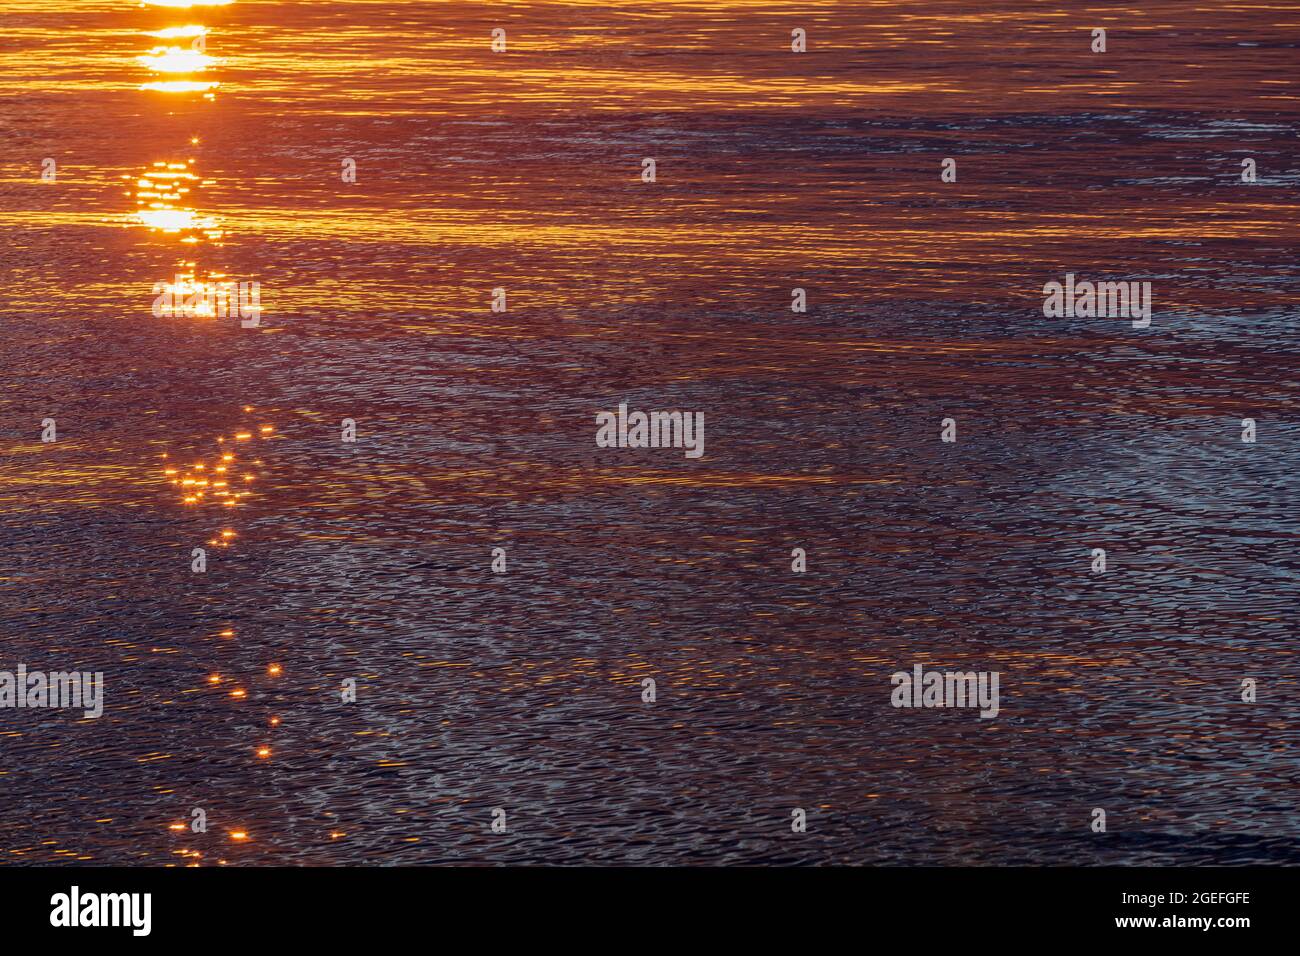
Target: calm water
x,y
521,170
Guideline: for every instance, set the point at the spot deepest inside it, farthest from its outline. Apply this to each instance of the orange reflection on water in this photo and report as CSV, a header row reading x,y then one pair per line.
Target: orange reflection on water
x,y
175,33
180,86
175,59
161,195
186,4
191,297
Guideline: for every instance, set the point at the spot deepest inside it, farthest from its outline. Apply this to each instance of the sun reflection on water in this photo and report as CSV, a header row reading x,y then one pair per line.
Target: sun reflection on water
x,y
175,59
180,86
186,4
173,33
161,193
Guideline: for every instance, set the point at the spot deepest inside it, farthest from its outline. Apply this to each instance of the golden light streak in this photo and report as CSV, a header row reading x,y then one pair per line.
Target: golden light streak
x,y
172,33
174,59
178,220
180,86
186,4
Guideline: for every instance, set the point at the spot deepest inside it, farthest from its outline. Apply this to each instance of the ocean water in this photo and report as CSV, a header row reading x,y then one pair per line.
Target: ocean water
x,y
370,561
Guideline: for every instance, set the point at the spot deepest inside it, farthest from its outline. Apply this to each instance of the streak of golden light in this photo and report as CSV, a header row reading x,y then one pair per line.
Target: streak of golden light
x,y
172,33
186,4
174,59
180,86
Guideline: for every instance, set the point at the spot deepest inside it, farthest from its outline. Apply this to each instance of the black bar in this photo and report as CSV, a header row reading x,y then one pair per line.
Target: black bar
x,y
661,907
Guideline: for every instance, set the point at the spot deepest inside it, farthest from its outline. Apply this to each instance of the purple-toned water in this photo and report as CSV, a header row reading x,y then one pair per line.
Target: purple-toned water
x,y
371,561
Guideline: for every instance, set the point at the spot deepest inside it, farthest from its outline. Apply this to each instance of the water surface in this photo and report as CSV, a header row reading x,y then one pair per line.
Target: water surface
x,y
522,170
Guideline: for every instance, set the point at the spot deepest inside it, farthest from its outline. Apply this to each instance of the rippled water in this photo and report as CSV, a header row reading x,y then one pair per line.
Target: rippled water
x,y
522,691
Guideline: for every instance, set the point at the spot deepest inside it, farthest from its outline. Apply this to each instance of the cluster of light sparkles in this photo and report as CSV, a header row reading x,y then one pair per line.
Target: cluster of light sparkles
x,y
193,297
161,203
213,477
160,198
177,60
218,478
